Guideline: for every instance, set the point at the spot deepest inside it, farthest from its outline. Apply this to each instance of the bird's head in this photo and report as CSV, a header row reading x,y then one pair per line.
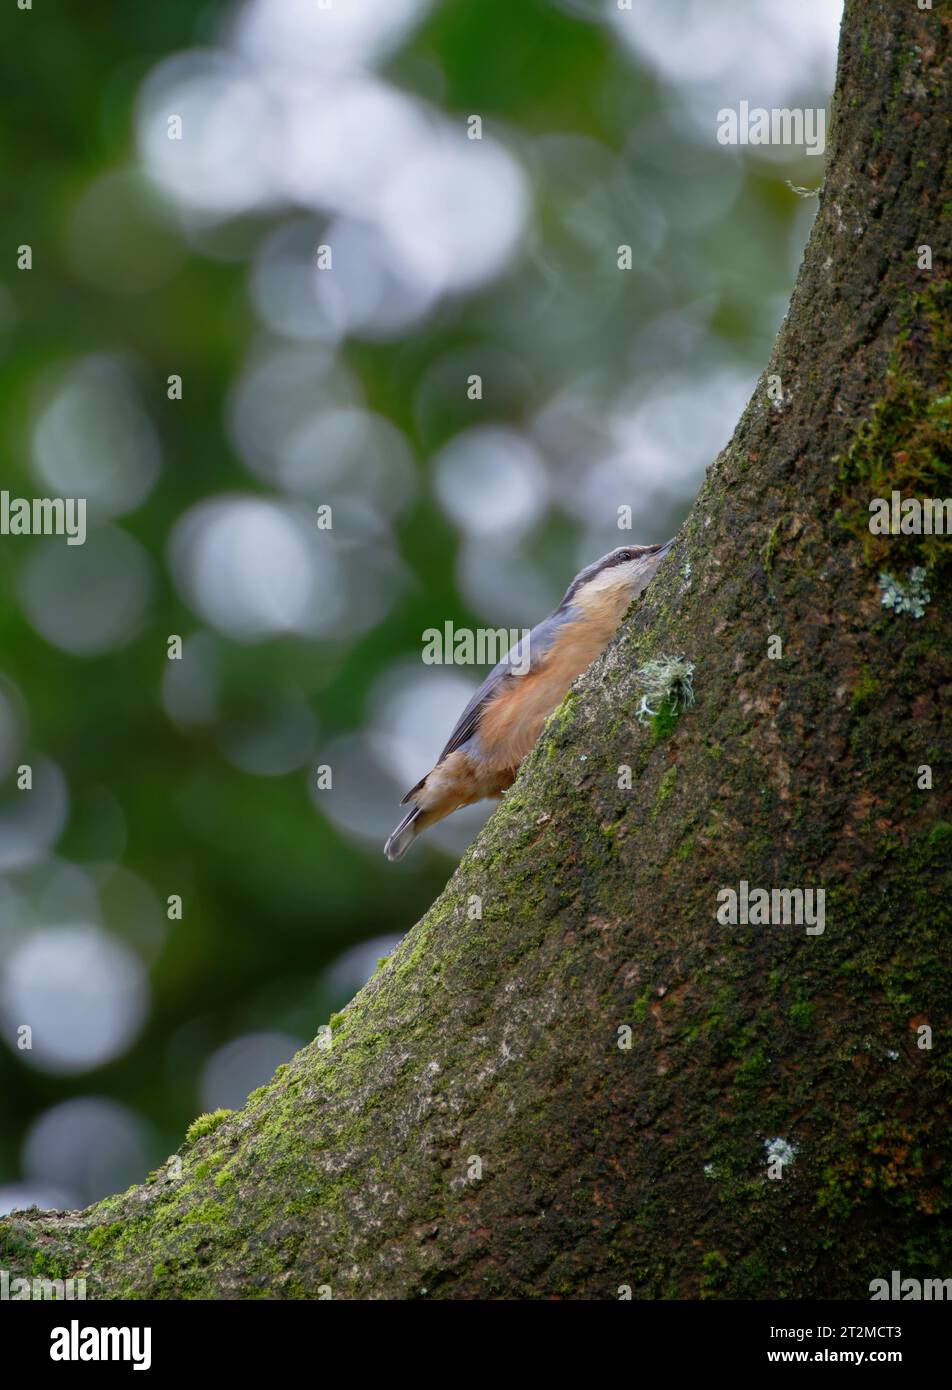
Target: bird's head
x,y
612,582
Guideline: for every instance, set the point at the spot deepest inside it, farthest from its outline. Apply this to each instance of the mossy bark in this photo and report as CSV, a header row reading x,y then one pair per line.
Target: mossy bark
x,y
475,1129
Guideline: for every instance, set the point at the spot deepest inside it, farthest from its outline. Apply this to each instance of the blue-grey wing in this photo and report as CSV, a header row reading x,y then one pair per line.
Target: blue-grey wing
x,y
540,639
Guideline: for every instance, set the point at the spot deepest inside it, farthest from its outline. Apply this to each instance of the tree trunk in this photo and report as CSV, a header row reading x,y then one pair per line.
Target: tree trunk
x,y
778,1125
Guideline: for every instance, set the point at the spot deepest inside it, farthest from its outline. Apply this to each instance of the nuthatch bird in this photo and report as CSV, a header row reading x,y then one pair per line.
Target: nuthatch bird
x,y
504,718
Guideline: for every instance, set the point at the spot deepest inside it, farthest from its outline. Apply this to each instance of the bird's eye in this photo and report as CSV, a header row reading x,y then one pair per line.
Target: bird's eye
x,y
624,555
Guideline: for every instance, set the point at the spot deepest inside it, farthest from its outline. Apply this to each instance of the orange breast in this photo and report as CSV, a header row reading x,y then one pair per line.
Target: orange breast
x,y
511,725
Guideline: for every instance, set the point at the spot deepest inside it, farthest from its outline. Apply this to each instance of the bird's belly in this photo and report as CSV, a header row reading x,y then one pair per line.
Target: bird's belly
x,y
511,725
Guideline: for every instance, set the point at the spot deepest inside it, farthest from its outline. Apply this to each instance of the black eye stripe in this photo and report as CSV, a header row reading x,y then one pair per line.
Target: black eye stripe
x,y
590,572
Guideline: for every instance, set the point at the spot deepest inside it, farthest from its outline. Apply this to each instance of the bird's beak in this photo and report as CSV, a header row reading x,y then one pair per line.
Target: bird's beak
x,y
663,549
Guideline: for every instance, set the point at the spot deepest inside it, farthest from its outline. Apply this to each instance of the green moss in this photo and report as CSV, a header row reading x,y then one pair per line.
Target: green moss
x,y
864,690
100,1236
801,1014
48,1266
939,836
664,721
558,723
13,1249
666,785
205,1124
206,1213
639,1009
769,547
753,1069
715,1266
201,1170
906,443
884,1159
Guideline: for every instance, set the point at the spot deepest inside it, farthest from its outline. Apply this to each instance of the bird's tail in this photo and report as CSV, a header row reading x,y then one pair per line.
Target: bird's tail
x,y
404,835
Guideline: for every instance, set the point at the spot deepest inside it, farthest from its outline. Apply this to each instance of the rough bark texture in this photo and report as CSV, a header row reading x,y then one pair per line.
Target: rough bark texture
x,y
498,1038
